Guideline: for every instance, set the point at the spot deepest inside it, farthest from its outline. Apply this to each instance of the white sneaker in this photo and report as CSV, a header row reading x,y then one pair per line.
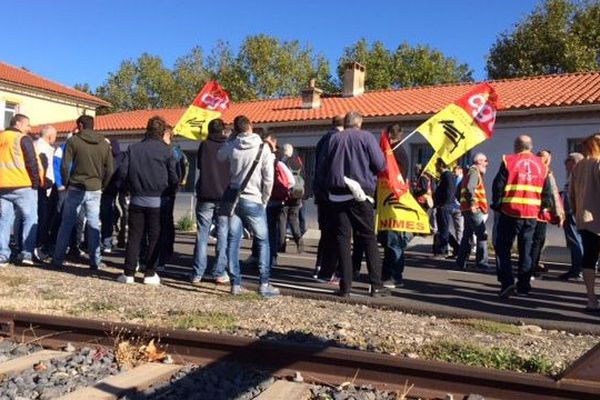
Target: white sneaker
x,y
125,279
152,280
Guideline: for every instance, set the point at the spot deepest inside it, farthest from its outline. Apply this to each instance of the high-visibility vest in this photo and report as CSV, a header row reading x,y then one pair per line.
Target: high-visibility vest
x,y
522,195
478,196
13,173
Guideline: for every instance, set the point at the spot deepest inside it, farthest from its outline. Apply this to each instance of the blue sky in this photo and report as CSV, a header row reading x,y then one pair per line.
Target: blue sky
x,y
82,41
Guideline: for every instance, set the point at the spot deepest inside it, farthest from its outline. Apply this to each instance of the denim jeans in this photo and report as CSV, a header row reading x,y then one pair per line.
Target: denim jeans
x,y
394,243
573,239
474,225
254,216
205,212
88,201
523,230
26,204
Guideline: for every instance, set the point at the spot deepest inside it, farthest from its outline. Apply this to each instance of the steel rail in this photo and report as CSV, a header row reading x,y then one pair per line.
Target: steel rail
x,y
318,364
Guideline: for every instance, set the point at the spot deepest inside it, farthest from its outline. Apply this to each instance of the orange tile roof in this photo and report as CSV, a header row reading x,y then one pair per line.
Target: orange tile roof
x,y
515,94
21,77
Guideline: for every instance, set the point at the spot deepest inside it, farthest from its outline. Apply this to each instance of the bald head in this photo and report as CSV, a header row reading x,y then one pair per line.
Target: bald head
x,y
523,143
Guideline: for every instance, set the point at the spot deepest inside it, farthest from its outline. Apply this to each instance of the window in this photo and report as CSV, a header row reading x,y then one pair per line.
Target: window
x,y
574,145
10,109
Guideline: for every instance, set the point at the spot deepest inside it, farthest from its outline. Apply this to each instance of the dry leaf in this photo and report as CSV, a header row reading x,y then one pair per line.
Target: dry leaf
x,y
153,353
39,367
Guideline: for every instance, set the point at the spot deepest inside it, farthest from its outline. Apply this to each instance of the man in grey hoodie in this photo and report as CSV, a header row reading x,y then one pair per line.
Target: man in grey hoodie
x,y
241,151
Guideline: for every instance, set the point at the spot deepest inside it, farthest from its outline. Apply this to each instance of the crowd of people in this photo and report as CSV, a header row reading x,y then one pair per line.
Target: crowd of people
x,y
54,197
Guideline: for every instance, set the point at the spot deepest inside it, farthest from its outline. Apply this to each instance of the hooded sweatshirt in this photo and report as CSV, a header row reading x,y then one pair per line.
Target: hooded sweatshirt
x,y
91,159
241,152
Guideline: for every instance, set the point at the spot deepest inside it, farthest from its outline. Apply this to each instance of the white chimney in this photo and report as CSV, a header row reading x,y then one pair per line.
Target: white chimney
x,y
354,80
311,96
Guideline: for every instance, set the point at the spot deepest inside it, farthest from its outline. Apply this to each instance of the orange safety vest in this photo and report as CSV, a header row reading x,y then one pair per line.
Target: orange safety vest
x,y
478,196
522,196
13,172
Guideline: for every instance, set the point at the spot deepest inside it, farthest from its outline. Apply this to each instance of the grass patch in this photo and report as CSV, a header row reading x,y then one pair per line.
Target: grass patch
x,y
205,320
244,296
186,223
496,357
491,327
13,281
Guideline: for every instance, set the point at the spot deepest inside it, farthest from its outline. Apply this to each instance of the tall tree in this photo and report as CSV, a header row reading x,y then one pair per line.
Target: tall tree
x,y
83,87
141,84
189,74
273,68
377,60
558,36
407,66
421,65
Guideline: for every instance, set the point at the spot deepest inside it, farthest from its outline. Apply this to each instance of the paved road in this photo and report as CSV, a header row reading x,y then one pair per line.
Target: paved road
x,y
431,286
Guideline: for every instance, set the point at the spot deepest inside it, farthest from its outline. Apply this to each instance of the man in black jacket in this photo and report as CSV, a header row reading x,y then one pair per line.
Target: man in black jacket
x,y
443,198
213,178
148,170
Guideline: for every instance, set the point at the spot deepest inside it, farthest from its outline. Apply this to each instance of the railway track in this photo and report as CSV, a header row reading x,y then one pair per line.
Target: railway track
x,y
321,365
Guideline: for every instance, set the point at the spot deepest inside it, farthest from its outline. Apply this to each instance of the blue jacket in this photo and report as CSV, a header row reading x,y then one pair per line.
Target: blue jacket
x,y
355,154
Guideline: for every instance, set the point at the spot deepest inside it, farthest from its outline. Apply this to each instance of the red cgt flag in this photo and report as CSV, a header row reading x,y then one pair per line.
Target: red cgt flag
x,y
391,176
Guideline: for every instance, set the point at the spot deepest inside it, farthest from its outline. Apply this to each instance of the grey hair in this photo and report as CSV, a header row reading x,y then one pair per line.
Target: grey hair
x,y
352,120
46,129
477,156
288,149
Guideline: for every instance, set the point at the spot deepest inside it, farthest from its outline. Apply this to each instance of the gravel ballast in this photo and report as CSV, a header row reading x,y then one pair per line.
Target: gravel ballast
x,y
210,308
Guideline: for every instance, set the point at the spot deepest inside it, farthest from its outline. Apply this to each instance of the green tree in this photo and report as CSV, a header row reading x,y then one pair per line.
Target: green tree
x,y
406,67
558,36
421,65
83,87
189,74
272,68
141,84
377,60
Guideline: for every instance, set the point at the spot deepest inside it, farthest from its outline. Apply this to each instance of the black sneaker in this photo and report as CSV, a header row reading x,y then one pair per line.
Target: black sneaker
x,y
569,276
507,291
342,294
380,292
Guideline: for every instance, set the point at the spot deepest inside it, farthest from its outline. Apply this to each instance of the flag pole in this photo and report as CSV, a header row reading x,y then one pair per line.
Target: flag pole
x,y
404,140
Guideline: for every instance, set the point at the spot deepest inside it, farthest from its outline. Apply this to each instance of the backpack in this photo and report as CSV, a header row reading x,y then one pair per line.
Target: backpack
x,y
281,184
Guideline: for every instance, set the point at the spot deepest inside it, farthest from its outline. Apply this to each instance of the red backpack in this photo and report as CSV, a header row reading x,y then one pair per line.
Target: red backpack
x,y
281,184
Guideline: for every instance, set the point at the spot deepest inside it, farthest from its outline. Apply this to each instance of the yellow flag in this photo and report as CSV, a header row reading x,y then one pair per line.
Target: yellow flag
x,y
194,123
207,106
460,126
403,215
